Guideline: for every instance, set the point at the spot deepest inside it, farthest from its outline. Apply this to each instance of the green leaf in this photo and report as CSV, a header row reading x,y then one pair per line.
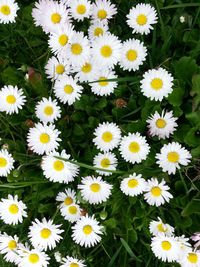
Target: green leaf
x,y
176,97
129,250
192,207
185,68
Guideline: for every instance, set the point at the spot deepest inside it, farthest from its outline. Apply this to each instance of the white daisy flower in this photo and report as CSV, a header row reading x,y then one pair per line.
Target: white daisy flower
x,y
165,248
141,18
72,262
96,29
8,11
8,247
158,227
44,234
67,89
133,54
57,67
134,148
12,99
6,162
107,161
133,185
57,170
106,50
157,84
12,210
86,72
107,136
94,189
78,51
171,156
33,258
59,41
80,9
103,10
47,110
43,138
71,212
162,125
67,197
87,231
104,87
184,246
156,193
190,259
39,10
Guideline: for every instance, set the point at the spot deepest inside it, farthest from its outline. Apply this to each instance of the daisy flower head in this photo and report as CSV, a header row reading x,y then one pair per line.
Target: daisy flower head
x,y
47,110
157,84
59,40
141,18
57,170
33,258
6,162
107,161
106,50
12,210
87,231
134,148
184,246
71,212
8,247
43,138
165,248
156,193
96,29
72,262
80,9
104,87
133,185
103,10
133,54
57,67
44,234
39,10
158,227
190,259
94,189
162,125
78,51
12,99
171,156
8,11
67,197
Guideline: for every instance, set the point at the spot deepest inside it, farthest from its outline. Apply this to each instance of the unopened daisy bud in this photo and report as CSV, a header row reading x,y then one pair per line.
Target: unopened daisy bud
x,y
103,214
5,146
182,19
58,256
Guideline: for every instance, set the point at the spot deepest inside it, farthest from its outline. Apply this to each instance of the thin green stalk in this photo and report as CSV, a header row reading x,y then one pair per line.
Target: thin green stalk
x,y
181,5
183,181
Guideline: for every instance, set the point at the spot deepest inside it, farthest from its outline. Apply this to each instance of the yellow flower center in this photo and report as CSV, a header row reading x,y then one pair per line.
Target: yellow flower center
x,y
107,137
63,39
173,157
156,191
166,245
60,69
58,165
101,14
76,49
87,229
13,209
44,138
12,244
157,84
55,18
106,51
105,163
33,258
86,68
74,265
95,187
98,31
11,99
3,162
132,183
72,209
134,147
131,55
103,83
68,89
45,233
141,19
81,9
48,110
5,10
68,201
161,228
161,123
192,257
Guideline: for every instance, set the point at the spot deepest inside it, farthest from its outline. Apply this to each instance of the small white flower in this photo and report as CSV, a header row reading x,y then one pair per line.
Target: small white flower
x,y
103,10
190,259
72,262
6,162
133,185
71,212
96,29
67,197
8,11
80,9
57,67
158,227
182,19
107,161
8,247
33,258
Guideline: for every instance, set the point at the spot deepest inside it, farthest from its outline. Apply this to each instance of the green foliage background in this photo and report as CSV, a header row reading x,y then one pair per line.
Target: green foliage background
x,y
172,45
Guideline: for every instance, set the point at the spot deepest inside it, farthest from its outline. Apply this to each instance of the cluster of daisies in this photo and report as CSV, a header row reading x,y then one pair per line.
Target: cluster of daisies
x,y
170,248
